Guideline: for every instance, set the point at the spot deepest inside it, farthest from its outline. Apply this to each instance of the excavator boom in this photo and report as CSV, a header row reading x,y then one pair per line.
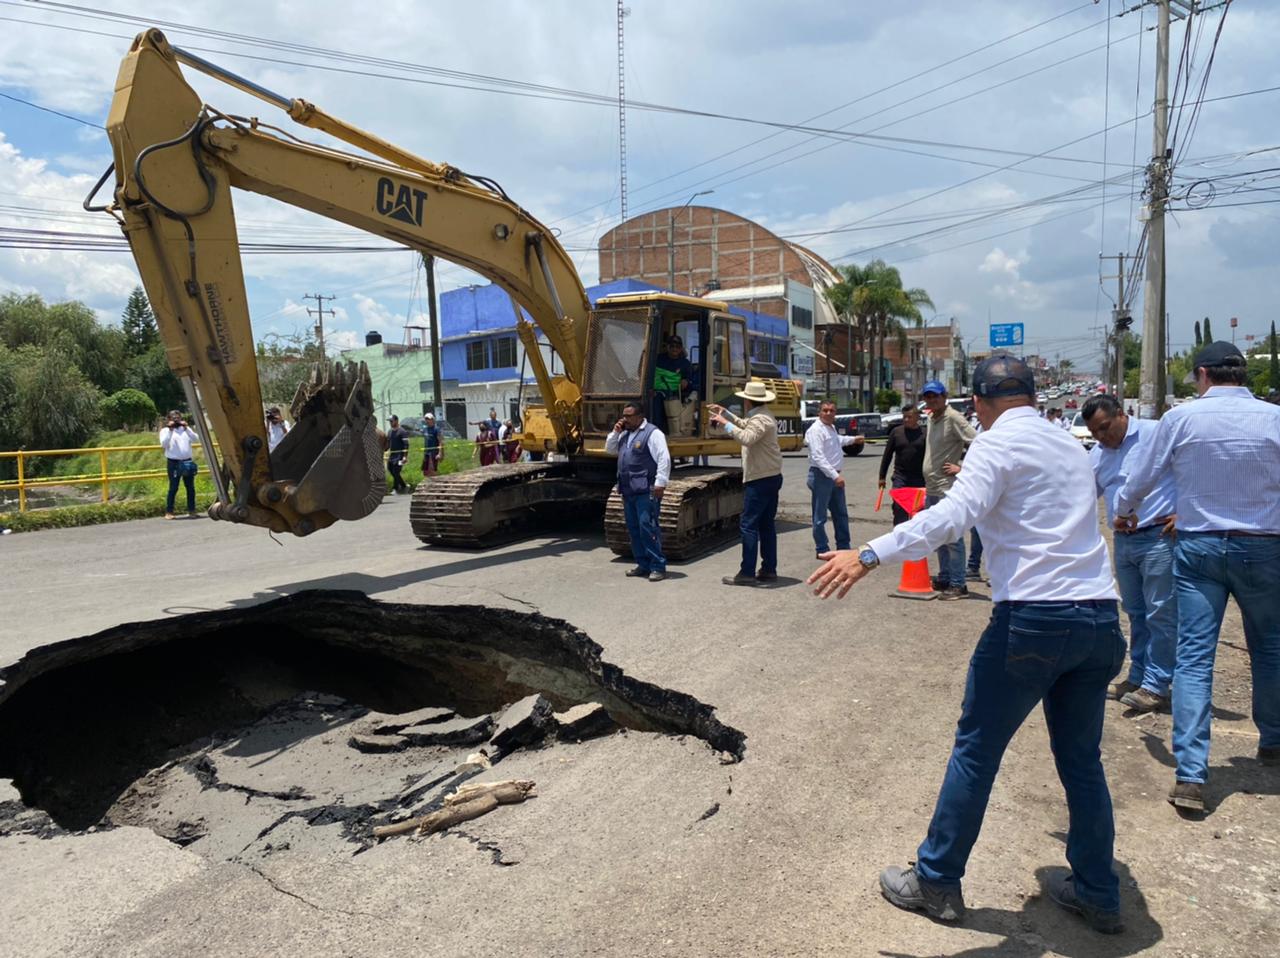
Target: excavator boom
x,y
176,161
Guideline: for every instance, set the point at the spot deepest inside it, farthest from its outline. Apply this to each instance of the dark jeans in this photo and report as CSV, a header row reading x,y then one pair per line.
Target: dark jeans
x,y
975,552
759,534
1064,653
641,513
828,497
175,473
394,464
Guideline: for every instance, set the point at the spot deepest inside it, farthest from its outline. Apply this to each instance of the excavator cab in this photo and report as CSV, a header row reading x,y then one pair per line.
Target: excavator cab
x,y
628,338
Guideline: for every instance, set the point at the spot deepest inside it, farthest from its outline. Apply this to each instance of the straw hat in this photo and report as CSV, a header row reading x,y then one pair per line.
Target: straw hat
x,y
756,391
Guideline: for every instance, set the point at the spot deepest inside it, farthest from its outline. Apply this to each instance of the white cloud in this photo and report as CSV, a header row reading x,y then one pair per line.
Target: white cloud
x,y
998,261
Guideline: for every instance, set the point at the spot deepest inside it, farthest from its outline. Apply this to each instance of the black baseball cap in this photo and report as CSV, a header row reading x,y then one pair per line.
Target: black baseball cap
x,y
1003,375
674,341
1216,354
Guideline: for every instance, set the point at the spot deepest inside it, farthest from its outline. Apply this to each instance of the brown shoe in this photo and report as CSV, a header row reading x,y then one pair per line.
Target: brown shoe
x,y
739,580
1142,700
1269,756
763,576
1188,796
1118,690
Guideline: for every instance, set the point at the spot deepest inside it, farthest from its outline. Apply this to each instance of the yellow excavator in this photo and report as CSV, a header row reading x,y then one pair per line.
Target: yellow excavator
x,y
176,160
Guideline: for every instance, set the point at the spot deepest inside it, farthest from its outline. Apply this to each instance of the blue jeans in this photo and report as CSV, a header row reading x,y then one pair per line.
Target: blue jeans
x,y
759,534
175,473
975,551
1207,567
646,538
1064,653
1144,571
828,497
950,556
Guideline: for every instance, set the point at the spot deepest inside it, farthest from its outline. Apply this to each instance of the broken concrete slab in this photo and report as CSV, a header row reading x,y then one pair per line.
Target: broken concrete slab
x,y
457,731
523,723
583,721
382,723
375,744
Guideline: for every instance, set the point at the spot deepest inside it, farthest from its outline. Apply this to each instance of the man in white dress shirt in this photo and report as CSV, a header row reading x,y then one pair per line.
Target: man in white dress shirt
x,y
1054,635
175,439
826,484
1224,453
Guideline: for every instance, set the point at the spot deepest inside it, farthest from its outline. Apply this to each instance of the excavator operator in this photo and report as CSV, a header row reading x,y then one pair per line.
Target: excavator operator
x,y
672,383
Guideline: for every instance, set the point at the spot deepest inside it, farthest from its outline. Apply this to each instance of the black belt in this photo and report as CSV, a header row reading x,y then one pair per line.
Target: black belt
x,y
1240,533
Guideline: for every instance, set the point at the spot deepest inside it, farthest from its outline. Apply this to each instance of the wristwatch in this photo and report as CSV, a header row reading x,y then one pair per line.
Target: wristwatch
x,y
867,556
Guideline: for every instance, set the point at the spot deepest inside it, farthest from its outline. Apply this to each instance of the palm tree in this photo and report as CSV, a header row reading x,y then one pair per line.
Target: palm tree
x,y
872,299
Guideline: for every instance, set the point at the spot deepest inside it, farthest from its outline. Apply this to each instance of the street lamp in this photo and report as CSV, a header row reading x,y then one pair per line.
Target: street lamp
x,y
671,239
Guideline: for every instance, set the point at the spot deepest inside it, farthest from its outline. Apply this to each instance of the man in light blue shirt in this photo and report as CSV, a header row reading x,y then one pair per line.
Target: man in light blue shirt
x,y
1224,453
1144,557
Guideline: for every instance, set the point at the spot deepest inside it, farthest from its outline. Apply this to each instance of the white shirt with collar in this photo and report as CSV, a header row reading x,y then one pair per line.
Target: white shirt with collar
x,y
657,448
1029,490
1224,452
177,442
276,431
826,448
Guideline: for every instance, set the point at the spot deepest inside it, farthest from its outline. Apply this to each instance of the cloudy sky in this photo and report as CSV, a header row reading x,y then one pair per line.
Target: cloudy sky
x,y
962,142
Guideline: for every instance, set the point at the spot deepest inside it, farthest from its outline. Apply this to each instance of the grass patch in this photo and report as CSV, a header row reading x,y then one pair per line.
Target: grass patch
x,y
145,498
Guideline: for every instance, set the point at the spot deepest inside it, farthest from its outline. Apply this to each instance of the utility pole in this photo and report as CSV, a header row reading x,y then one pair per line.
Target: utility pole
x,y
1121,320
1152,389
437,384
319,314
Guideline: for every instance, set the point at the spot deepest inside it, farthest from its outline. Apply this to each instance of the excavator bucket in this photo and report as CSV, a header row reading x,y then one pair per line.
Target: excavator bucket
x,y
333,452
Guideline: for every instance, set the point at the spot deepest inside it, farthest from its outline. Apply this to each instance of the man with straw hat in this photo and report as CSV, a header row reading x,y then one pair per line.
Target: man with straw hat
x,y
757,432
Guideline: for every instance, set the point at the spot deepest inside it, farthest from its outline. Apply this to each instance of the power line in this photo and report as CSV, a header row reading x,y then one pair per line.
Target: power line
x,y
37,106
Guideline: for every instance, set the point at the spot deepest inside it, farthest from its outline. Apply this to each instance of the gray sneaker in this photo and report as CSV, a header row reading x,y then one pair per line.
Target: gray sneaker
x,y
739,580
1062,889
904,888
656,576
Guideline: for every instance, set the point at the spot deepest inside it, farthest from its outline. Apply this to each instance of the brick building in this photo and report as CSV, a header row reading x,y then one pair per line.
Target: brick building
x,y
931,352
703,251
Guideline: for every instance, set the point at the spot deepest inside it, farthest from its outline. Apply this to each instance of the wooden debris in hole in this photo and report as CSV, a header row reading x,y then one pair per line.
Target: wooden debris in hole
x,y
470,801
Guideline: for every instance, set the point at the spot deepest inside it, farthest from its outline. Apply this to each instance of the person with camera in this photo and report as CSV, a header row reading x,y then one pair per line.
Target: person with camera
x,y
175,439
644,467
277,429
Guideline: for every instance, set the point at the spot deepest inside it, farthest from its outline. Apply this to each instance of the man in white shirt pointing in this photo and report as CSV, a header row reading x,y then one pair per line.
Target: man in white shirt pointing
x,y
826,484
1054,635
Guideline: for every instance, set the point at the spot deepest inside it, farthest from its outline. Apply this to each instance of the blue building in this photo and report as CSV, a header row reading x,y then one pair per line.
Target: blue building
x,y
482,359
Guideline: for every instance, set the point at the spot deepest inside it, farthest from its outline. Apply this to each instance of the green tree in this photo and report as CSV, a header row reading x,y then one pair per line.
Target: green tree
x,y
57,405
150,373
128,409
1199,341
284,363
878,305
138,324
72,329
1208,332
886,399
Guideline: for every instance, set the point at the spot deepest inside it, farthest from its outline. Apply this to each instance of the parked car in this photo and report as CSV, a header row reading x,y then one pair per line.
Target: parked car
x,y
1081,432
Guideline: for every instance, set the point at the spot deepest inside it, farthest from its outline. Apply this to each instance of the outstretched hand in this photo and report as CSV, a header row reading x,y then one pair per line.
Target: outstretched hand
x,y
840,571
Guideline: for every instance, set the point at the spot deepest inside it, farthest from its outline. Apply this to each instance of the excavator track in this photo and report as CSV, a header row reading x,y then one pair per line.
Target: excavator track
x,y
495,504
700,510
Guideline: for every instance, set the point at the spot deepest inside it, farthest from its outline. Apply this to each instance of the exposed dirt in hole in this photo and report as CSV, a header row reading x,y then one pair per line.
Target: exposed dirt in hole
x,y
238,729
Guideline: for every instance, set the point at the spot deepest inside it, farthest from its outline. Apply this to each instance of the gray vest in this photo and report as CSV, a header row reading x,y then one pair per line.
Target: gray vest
x,y
636,466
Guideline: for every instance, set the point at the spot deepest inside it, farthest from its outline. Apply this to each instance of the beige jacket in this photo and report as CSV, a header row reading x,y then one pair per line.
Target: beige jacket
x,y
758,434
945,441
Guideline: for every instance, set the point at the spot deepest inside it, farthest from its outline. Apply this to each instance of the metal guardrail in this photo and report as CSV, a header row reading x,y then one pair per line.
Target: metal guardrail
x,y
103,477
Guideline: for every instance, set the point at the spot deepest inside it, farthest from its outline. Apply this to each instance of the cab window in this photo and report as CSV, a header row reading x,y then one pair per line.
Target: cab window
x,y
731,348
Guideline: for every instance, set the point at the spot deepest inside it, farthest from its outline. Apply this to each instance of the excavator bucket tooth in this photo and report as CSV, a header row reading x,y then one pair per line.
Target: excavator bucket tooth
x,y
333,452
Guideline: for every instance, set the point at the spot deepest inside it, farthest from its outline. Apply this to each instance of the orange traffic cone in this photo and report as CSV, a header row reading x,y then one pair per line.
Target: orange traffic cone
x,y
914,583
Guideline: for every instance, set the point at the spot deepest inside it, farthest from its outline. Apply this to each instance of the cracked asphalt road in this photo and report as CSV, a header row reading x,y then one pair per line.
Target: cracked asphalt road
x,y
849,710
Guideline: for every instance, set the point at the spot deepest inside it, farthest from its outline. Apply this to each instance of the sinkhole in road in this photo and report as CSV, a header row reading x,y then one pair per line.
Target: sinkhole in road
x,y
253,701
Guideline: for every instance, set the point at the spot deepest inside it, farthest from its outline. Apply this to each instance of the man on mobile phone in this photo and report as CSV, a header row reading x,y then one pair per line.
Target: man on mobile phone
x,y
644,467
